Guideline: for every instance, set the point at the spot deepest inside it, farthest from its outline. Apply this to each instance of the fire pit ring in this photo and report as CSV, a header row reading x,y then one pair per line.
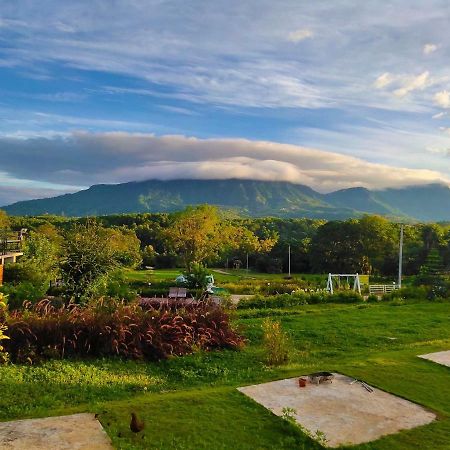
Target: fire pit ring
x,y
320,377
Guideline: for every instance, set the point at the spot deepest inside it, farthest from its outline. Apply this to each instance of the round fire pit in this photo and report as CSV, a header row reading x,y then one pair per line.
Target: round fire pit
x,y
321,377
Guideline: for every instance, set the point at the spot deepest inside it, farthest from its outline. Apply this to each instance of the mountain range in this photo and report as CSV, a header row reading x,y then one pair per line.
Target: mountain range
x,y
248,197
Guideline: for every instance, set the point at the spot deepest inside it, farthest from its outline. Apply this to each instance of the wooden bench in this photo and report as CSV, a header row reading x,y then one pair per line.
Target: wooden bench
x,y
177,292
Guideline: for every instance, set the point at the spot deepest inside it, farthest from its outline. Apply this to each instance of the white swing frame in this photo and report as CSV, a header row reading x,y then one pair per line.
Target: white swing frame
x,y
356,282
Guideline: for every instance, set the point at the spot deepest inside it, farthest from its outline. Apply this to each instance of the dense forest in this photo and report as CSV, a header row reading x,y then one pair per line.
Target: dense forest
x,y
250,198
366,245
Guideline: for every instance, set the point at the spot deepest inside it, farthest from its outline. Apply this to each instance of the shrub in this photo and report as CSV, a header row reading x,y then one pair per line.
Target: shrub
x,y
196,277
3,337
119,290
299,298
265,263
372,298
165,261
128,331
26,272
114,286
25,291
3,328
414,293
269,287
276,343
275,301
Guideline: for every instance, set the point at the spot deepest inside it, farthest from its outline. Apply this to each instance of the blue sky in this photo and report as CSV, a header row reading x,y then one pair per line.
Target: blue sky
x,y
331,94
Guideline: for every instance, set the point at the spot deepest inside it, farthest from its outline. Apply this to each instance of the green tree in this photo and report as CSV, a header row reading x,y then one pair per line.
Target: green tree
x,y
51,233
88,256
30,277
337,247
42,253
125,246
4,220
431,237
198,234
148,256
379,239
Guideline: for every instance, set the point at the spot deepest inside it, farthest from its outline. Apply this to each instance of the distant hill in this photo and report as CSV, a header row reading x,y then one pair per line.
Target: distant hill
x,y
254,198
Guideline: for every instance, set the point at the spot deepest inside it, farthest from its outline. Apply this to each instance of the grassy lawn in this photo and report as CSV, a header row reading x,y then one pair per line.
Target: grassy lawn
x,y
220,275
191,402
233,281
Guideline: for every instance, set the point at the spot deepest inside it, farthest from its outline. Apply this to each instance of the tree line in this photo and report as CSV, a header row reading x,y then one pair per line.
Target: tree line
x,y
207,235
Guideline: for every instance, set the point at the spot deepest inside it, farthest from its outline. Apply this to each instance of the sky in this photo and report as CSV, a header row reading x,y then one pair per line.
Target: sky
x,y
331,94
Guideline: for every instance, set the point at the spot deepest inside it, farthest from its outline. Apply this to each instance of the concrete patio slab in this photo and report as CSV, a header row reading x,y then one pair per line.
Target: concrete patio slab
x,y
346,413
438,357
74,432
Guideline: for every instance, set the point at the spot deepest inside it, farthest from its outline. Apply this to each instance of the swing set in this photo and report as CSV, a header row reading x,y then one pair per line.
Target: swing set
x,y
337,277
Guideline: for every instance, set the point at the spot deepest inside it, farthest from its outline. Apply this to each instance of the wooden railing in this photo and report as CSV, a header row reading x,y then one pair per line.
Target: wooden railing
x,y
10,243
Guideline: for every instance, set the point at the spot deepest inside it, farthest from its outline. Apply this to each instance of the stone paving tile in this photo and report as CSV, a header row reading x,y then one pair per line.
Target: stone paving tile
x,y
438,357
74,432
346,413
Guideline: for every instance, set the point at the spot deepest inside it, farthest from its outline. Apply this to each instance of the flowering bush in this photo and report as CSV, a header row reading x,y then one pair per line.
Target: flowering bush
x,y
45,331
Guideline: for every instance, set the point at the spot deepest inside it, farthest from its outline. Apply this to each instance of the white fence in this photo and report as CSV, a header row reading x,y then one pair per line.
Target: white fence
x,y
380,289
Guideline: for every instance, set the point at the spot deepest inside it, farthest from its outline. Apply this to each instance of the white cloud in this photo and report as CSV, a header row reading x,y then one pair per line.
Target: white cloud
x,y
439,115
11,194
229,56
442,99
383,80
91,158
429,48
396,143
300,35
413,83
444,151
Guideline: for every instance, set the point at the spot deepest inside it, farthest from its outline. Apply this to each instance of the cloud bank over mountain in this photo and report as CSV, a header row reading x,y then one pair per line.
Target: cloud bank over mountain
x,y
82,159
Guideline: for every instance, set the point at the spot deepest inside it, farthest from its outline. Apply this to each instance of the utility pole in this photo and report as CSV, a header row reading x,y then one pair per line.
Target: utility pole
x,y
400,258
289,259
247,261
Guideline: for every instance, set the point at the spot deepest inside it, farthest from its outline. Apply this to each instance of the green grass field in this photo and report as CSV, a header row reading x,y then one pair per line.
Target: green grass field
x,y
192,402
220,275
233,281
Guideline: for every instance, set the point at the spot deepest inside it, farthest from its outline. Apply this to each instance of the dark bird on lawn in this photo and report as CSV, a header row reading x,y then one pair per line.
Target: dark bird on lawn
x,y
136,425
